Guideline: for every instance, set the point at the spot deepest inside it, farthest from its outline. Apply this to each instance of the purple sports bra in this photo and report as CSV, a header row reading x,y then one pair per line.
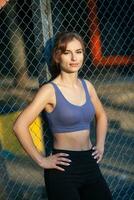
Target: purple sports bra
x,y
67,117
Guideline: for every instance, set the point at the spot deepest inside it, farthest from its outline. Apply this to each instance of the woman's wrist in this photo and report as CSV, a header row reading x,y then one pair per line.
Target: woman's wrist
x,y
100,147
39,160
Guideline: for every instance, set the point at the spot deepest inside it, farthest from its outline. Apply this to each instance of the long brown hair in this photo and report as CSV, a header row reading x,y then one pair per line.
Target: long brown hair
x,y
60,44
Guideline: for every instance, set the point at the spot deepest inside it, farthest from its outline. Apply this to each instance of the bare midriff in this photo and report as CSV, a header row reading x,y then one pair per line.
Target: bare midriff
x,y
78,140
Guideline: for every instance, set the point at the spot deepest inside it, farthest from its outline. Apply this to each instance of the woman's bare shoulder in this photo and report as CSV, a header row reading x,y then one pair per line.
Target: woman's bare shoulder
x,y
89,84
46,88
44,93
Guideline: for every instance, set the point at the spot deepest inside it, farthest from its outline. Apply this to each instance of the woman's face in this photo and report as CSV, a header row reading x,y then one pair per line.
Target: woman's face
x,y
72,59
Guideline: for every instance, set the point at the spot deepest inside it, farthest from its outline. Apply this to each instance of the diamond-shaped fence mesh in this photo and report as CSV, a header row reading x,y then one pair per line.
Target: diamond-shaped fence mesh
x,y
108,31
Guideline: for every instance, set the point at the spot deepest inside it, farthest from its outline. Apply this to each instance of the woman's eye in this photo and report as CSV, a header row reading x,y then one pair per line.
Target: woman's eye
x,y
79,52
66,53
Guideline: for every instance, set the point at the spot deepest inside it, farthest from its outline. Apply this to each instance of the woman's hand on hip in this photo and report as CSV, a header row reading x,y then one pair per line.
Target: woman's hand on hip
x,y
53,161
98,153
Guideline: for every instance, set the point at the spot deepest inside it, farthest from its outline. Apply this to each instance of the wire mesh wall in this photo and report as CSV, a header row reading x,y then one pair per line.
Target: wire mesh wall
x,y
25,29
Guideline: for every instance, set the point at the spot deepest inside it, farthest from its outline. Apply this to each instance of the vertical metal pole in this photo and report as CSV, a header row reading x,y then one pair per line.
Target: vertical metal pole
x,y
42,20
43,31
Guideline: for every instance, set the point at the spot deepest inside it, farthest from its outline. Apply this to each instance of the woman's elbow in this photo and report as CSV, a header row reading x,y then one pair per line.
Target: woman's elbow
x,y
16,128
18,125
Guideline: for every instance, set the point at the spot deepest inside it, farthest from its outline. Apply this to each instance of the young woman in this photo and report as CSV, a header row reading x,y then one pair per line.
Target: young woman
x,y
70,103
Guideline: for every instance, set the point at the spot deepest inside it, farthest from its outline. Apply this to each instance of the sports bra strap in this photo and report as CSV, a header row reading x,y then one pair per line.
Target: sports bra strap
x,y
55,87
85,88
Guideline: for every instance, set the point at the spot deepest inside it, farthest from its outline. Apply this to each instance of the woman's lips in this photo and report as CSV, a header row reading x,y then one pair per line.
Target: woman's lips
x,y
74,65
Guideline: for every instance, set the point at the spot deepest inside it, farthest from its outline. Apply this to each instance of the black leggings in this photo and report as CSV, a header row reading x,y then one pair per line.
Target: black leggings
x,y
82,180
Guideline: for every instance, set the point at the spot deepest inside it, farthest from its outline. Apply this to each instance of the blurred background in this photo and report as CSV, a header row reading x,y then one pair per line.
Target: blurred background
x,y
26,28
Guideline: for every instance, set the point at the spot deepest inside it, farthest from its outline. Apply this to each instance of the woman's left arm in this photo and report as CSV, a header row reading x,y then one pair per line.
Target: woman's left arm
x,y
101,123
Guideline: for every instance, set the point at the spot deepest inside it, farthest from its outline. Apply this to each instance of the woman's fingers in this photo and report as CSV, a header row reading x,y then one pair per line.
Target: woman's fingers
x,y
61,159
63,163
62,154
52,161
97,154
99,159
59,168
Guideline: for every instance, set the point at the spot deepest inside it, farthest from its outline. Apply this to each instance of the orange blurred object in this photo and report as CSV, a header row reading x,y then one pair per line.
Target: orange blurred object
x,y
3,3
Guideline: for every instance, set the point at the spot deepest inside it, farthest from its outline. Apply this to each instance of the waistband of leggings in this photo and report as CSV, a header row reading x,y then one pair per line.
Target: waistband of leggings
x,y
72,152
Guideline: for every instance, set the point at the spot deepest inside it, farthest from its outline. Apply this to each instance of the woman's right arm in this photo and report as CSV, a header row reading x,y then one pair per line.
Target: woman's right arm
x,y
26,118
21,129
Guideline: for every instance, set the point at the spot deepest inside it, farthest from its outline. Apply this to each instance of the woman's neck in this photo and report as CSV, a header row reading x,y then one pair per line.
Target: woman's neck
x,y
68,79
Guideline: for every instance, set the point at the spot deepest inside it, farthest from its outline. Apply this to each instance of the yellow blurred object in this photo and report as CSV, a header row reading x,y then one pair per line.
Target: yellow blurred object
x,y
8,139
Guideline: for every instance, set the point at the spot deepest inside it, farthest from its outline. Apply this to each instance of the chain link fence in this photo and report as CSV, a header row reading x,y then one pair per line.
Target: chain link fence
x,y
108,32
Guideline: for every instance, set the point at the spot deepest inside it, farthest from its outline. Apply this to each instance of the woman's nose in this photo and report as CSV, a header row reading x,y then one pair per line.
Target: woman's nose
x,y
73,57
